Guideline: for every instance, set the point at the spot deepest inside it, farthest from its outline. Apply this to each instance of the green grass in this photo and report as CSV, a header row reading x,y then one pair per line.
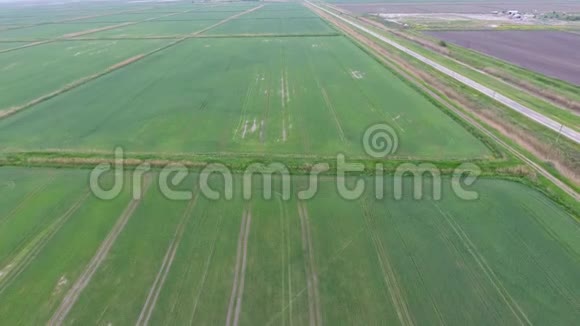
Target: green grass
x,y
49,31
120,18
31,296
36,71
205,105
546,108
418,2
272,11
201,15
157,28
198,285
567,149
512,254
10,45
118,290
292,26
482,61
26,216
450,261
527,242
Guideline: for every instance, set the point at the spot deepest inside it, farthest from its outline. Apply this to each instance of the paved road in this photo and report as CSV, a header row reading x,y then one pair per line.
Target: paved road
x,y
539,118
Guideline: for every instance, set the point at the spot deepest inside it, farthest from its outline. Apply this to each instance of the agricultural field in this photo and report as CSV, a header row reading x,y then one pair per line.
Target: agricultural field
x,y
156,29
279,13
200,15
275,261
49,31
283,20
51,227
284,26
528,49
123,17
22,69
234,82
462,6
269,95
11,45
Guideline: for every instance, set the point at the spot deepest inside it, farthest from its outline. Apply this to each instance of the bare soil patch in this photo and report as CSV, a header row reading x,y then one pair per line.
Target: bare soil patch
x,y
460,7
552,53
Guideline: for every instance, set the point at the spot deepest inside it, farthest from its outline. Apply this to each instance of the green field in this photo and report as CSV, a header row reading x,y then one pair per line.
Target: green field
x,y
157,28
51,227
24,72
293,26
246,95
281,12
10,45
121,18
200,15
513,254
302,93
49,31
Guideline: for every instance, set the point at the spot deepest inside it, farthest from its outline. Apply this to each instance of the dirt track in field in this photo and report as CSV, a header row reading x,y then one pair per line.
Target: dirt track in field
x,y
103,251
31,250
314,309
235,303
460,7
157,286
552,53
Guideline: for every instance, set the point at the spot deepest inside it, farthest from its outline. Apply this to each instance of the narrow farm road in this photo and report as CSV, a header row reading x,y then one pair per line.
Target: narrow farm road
x,y
75,291
531,114
536,167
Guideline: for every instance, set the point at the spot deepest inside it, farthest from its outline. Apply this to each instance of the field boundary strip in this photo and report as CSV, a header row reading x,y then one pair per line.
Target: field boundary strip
x,y
131,23
75,19
35,43
68,20
4,113
469,120
236,296
496,77
492,76
166,265
206,36
75,291
314,308
221,22
527,112
27,254
73,36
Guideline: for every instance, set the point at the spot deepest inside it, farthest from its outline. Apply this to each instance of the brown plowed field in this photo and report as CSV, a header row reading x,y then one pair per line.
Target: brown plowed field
x,y
461,7
555,54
